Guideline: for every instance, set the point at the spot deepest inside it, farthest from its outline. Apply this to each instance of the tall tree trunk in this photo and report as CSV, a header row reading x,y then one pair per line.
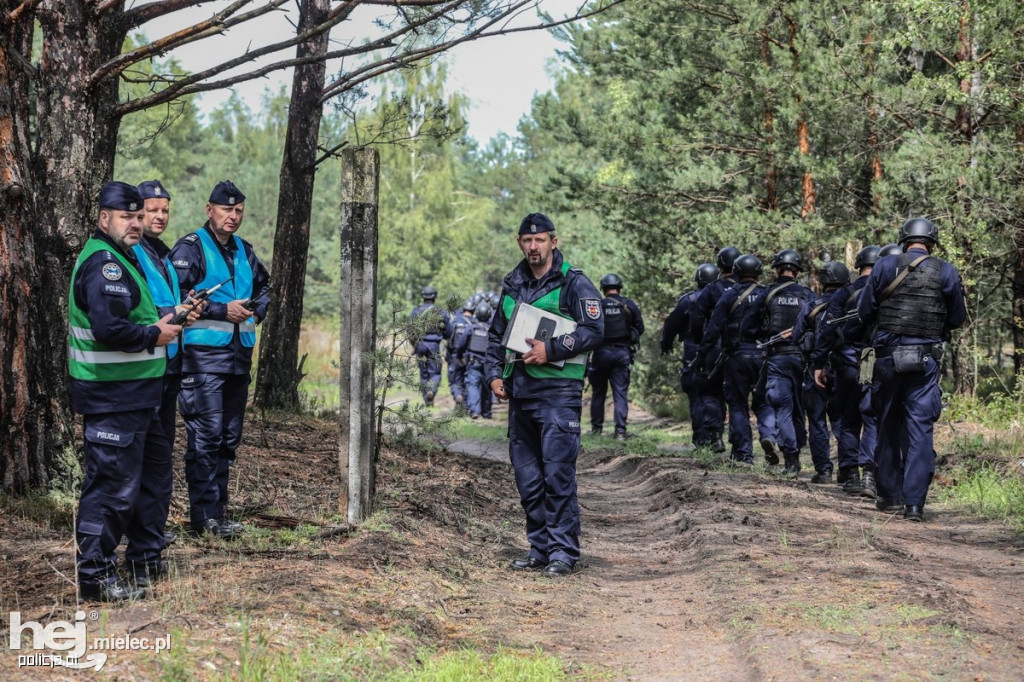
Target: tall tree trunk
x,y
1017,239
44,192
277,384
771,199
803,136
874,145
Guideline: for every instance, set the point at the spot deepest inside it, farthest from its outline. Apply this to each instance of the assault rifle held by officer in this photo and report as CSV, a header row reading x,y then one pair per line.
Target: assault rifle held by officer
x,y
832,321
777,338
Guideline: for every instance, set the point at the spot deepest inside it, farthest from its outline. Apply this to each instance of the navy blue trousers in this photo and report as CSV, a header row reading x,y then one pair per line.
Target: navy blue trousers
x,y
707,408
213,407
428,356
742,373
456,377
610,365
478,392
784,387
127,465
849,395
907,407
544,442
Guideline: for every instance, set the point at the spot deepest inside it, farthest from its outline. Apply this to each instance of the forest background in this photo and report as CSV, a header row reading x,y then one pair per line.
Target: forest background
x,y
673,129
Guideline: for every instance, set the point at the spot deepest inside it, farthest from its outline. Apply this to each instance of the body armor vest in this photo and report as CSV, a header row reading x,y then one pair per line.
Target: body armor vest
x,y
478,338
783,307
731,336
616,321
916,307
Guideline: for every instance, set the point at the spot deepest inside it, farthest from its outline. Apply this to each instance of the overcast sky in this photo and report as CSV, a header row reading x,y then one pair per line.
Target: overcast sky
x,y
500,75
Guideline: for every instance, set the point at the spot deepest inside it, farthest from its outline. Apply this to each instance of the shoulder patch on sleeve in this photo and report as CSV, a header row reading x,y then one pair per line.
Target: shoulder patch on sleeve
x,y
568,341
591,308
181,263
112,271
191,238
116,289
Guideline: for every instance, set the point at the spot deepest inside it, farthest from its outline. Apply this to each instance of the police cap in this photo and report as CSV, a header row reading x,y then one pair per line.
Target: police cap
x,y
226,194
919,230
611,281
152,189
706,273
536,223
120,196
726,257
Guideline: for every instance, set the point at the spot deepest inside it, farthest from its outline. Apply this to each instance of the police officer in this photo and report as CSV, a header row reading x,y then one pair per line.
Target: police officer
x,y
471,353
772,315
217,354
743,360
116,358
457,326
427,349
706,407
147,535
819,401
610,364
843,343
914,300
545,390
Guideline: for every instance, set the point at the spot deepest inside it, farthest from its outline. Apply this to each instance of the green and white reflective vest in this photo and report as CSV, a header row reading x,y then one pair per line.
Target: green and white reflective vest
x,y
90,360
574,368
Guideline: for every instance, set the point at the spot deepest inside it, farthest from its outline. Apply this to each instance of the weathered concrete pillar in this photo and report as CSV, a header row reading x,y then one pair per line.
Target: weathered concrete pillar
x,y
359,186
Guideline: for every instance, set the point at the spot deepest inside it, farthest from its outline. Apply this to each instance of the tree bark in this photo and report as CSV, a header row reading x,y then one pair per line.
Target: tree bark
x,y
277,382
771,200
44,194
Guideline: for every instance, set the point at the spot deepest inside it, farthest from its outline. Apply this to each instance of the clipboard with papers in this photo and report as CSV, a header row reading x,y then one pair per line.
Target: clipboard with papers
x,y
530,322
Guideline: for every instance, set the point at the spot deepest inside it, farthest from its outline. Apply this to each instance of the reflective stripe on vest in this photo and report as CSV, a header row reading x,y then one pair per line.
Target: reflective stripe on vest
x,y
574,367
165,294
90,360
221,332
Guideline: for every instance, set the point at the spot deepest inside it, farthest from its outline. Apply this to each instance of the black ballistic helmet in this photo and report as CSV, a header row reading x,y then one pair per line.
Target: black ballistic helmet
x,y
747,265
706,274
867,256
919,230
834,274
494,298
611,281
788,258
890,250
483,312
727,258
469,305
428,293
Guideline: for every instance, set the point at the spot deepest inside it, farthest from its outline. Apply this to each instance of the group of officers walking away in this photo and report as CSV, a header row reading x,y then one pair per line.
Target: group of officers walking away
x,y
861,359
153,330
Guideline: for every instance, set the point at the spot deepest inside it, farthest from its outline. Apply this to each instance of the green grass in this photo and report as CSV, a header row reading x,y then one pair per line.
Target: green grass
x,y
991,491
488,432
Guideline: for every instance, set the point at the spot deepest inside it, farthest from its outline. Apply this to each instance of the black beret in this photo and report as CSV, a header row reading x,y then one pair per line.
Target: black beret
x,y
152,189
536,222
226,194
120,196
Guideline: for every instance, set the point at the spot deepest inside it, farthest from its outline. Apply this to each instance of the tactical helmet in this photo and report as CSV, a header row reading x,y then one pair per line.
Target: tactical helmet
x,y
477,297
469,305
706,273
747,265
483,312
788,258
834,274
919,230
429,293
867,256
611,281
890,250
494,298
727,258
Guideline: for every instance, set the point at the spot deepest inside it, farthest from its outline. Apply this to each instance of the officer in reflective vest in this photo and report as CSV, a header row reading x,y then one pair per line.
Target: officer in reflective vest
x,y
545,391
471,352
773,313
217,354
116,358
611,361
914,301
146,534
707,409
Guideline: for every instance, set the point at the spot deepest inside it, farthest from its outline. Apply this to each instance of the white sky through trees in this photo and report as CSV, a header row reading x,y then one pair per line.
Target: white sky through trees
x,y
499,75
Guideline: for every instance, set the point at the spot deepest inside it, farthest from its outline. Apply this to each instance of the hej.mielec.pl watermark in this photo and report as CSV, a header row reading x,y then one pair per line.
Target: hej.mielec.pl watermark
x,y
72,643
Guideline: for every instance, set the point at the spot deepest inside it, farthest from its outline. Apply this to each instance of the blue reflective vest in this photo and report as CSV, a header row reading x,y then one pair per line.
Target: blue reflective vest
x,y
165,295
205,332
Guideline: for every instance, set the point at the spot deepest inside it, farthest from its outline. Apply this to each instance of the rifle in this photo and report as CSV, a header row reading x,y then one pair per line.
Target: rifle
x,y
832,321
784,335
196,300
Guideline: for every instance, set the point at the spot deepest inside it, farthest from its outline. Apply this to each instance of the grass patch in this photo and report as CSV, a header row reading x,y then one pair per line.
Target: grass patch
x,y
991,491
485,431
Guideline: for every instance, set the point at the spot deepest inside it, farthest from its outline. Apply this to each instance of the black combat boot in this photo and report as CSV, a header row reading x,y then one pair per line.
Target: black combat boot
x,y
792,469
851,486
867,484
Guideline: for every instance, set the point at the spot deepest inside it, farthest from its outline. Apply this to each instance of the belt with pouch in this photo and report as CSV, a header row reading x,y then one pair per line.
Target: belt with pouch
x,y
932,349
